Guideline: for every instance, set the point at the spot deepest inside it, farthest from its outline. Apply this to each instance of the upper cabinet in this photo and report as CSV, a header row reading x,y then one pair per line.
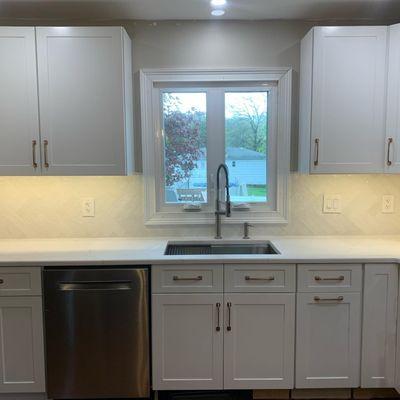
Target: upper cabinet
x,y
82,99
392,161
19,122
342,100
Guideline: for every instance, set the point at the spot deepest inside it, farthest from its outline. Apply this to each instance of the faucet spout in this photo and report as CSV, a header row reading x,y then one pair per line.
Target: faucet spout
x,y
218,211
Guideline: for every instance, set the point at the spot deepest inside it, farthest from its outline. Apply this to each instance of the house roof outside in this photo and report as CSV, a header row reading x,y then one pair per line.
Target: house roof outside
x,y
238,153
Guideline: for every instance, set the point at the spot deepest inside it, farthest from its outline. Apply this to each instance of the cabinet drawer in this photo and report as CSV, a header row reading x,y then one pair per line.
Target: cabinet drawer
x,y
260,277
20,281
329,277
187,278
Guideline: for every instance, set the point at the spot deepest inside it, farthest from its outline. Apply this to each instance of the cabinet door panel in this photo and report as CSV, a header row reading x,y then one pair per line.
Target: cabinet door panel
x,y
19,121
81,99
379,326
392,159
187,347
21,339
348,115
259,349
328,340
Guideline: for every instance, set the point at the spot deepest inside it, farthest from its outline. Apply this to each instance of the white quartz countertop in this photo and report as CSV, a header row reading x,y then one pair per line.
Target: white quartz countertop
x,y
119,251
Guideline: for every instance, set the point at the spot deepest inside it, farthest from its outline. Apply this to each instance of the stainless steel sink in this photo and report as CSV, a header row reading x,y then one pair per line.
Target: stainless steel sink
x,y
214,248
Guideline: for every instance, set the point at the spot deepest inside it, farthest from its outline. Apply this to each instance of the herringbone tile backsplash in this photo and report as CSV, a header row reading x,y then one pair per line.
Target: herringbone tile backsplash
x,y
39,207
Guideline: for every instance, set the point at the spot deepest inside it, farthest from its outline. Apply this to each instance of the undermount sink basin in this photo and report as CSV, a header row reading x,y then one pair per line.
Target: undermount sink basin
x,y
212,248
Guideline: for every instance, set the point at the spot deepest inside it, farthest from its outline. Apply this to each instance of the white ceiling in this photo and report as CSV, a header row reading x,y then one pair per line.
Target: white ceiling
x,y
200,9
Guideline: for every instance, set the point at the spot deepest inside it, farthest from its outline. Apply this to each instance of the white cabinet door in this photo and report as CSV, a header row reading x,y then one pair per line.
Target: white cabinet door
x,y
19,121
379,326
21,345
82,111
259,341
348,100
328,340
392,159
187,337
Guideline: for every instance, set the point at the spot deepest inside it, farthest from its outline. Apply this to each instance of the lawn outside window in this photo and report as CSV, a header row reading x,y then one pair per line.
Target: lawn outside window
x,y
192,121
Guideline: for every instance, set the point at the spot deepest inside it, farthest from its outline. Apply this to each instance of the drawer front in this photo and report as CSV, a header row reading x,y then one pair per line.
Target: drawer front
x,y
198,278
260,277
329,277
20,281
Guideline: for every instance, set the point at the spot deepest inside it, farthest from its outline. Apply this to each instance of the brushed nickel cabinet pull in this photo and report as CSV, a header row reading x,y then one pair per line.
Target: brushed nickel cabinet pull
x,y
46,156
316,145
250,278
229,305
339,278
388,161
339,298
34,162
195,278
218,328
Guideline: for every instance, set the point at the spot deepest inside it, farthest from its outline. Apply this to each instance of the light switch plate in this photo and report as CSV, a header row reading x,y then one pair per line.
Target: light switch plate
x,y
88,207
388,204
332,204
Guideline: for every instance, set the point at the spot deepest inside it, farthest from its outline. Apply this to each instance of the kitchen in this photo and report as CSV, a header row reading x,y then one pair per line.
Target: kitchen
x,y
122,276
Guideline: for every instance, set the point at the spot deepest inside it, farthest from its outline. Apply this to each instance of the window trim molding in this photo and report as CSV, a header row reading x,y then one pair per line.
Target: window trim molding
x,y
150,77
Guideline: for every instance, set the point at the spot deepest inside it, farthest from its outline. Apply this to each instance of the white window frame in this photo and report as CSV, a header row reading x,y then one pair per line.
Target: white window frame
x,y
152,144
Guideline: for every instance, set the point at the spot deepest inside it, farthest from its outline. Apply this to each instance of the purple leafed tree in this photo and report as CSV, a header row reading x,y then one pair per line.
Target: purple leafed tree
x,y
182,144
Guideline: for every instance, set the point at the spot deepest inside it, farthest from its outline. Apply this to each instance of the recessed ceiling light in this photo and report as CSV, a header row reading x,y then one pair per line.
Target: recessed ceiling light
x,y
218,3
217,13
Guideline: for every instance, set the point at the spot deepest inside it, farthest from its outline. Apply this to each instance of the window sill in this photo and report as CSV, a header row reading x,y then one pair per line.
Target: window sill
x,y
207,218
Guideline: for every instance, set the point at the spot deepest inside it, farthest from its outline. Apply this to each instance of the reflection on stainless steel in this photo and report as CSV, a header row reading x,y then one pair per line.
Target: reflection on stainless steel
x,y
97,333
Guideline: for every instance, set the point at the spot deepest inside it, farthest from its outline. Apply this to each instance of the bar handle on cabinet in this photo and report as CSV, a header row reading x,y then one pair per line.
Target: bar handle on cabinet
x,y
388,160
339,278
229,305
34,162
218,328
267,278
45,150
316,146
339,298
195,278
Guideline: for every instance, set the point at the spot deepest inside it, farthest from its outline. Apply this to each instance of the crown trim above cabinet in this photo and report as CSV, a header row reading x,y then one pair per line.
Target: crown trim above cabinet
x,y
68,97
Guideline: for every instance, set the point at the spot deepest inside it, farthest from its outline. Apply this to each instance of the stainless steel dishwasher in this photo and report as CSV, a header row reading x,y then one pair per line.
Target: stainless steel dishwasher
x,y
97,332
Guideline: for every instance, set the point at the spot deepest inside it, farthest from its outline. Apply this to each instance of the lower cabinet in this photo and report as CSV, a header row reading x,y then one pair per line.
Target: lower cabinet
x,y
188,344
21,345
378,356
259,346
216,341
328,340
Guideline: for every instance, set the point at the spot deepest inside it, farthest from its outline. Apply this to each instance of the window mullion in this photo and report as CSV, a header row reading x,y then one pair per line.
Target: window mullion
x,y
216,137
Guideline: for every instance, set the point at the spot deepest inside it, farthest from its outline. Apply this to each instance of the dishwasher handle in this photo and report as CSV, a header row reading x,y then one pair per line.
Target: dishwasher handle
x,y
94,285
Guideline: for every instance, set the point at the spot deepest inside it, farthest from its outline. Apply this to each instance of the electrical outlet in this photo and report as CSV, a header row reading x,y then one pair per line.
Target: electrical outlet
x,y
88,207
388,204
332,204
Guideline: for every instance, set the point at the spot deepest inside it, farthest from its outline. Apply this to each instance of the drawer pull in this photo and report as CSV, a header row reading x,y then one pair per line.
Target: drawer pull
x,y
339,278
229,305
218,328
339,298
195,278
268,278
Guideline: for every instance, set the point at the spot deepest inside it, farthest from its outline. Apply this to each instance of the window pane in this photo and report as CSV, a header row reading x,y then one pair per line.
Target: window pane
x,y
246,138
185,140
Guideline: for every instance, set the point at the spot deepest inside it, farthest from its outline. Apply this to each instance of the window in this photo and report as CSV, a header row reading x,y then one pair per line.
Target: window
x,y
192,121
